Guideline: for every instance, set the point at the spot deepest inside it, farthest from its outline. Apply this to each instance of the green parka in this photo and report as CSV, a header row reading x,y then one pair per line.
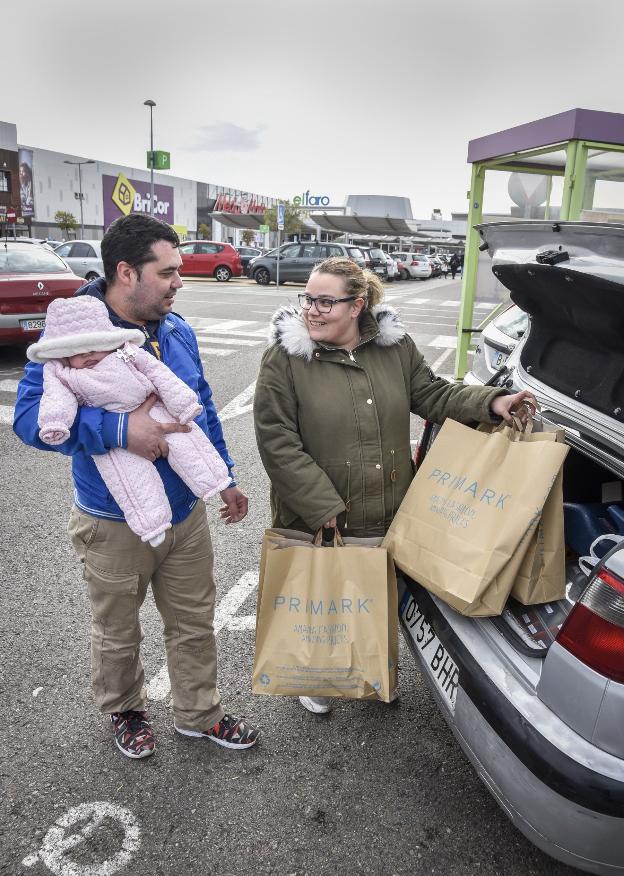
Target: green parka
x,y
333,428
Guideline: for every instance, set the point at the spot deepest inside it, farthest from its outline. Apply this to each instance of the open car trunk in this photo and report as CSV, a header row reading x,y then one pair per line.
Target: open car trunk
x,y
593,506
569,278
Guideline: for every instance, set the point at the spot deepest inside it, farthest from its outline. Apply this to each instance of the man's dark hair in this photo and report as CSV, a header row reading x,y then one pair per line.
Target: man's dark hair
x,y
130,239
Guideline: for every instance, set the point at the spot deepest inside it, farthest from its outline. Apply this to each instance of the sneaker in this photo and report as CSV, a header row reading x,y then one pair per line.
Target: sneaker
x,y
134,736
230,732
316,705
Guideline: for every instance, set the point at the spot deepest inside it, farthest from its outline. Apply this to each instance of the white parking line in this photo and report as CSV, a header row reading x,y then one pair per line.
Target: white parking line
x,y
441,360
240,404
159,686
6,415
443,341
8,385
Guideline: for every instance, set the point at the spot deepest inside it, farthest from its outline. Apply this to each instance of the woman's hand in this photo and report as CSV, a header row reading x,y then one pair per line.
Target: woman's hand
x,y
523,404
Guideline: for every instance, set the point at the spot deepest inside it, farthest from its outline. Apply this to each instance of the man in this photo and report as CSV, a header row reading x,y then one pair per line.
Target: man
x,y
454,265
141,266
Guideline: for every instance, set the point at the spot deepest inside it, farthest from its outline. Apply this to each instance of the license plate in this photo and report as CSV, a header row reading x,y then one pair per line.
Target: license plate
x,y
439,663
379,270
32,325
498,359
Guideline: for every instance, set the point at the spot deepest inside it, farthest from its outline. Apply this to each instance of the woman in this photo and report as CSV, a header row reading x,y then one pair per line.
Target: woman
x,y
332,408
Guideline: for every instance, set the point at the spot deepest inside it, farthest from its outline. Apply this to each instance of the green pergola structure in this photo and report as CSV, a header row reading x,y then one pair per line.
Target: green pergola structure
x,y
579,156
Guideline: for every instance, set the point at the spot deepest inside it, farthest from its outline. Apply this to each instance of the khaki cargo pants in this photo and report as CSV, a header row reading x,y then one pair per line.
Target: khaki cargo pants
x,y
118,568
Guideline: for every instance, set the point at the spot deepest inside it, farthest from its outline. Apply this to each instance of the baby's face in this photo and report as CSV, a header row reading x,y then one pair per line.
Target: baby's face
x,y
87,360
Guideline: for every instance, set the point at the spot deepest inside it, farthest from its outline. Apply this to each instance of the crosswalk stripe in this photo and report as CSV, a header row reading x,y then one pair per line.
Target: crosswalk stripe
x,y
8,385
6,415
215,351
215,324
243,342
216,330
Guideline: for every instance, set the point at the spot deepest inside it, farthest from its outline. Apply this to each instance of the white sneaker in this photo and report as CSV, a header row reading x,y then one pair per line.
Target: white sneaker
x,y
317,705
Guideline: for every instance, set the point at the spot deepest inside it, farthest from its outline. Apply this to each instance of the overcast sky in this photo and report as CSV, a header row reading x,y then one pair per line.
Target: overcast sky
x,y
335,96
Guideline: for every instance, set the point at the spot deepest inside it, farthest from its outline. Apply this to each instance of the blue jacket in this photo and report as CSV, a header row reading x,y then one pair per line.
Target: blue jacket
x,y
96,431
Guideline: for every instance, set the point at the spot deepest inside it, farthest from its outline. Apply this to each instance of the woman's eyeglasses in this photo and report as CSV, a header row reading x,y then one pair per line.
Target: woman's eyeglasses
x,y
323,304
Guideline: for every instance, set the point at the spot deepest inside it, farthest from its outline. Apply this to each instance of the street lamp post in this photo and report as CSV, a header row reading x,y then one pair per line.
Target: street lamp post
x,y
151,104
80,195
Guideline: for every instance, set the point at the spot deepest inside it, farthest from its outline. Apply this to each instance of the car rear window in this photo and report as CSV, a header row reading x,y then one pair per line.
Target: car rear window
x,y
376,253
29,260
355,253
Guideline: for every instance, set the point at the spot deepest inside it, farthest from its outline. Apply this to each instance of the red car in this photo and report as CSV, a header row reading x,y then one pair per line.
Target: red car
x,y
207,258
30,277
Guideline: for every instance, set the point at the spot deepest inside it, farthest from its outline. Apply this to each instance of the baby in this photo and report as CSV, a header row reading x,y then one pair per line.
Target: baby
x,y
89,361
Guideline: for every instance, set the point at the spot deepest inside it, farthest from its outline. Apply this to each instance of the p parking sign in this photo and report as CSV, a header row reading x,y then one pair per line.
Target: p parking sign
x,y
162,160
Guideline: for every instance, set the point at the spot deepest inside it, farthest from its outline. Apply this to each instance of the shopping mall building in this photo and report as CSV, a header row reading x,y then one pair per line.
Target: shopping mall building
x,y
37,184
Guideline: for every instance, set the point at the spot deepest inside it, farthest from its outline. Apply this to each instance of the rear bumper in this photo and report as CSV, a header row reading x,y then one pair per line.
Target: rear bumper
x,y
12,333
571,812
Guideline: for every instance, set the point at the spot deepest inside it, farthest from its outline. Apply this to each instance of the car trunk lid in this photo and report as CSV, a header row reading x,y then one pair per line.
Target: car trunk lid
x,y
569,277
31,293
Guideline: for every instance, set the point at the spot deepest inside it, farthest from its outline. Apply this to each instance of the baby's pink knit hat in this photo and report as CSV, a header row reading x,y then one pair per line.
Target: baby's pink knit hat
x,y
79,325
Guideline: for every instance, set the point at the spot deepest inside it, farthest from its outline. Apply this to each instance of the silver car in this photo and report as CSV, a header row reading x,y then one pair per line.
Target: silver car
x,y
535,698
84,257
498,341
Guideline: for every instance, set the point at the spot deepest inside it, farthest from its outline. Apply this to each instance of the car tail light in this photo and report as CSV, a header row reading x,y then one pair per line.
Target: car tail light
x,y
594,629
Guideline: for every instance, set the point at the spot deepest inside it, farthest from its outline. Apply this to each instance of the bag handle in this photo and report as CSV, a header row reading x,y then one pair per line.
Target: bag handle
x,y
587,564
519,428
328,536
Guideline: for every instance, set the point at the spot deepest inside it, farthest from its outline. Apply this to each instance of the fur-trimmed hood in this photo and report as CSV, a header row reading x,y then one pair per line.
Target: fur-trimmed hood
x,y
288,330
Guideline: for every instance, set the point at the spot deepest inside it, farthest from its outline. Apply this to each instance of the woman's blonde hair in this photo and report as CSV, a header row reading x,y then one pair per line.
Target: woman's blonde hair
x,y
358,281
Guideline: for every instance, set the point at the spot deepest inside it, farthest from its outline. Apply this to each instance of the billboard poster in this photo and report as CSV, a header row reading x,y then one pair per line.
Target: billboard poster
x,y
27,189
122,196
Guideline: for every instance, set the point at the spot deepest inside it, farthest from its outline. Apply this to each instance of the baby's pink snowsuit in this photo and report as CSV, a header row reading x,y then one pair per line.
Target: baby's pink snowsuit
x,y
121,382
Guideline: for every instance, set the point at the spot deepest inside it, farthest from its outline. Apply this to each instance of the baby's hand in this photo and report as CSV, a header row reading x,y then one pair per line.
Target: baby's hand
x,y
54,433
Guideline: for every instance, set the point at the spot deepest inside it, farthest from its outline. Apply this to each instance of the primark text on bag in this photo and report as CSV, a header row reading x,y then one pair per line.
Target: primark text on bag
x,y
472,512
327,619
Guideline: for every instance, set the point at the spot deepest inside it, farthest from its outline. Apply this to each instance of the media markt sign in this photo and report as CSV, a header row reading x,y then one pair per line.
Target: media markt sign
x,y
122,196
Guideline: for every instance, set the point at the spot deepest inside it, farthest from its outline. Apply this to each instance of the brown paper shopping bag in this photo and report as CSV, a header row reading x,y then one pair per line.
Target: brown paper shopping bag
x,y
540,577
327,619
467,521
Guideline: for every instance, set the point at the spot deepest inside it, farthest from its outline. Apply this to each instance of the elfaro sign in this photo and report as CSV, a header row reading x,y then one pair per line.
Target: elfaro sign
x,y
308,200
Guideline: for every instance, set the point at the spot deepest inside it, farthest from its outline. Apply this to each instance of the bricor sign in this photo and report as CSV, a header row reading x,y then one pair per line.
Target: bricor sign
x,y
122,196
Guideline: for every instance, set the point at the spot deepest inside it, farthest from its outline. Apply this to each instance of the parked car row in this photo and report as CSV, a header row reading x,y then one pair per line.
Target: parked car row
x,y
296,261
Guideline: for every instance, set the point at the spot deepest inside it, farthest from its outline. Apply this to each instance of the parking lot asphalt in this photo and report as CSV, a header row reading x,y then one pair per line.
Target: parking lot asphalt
x,y
369,788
